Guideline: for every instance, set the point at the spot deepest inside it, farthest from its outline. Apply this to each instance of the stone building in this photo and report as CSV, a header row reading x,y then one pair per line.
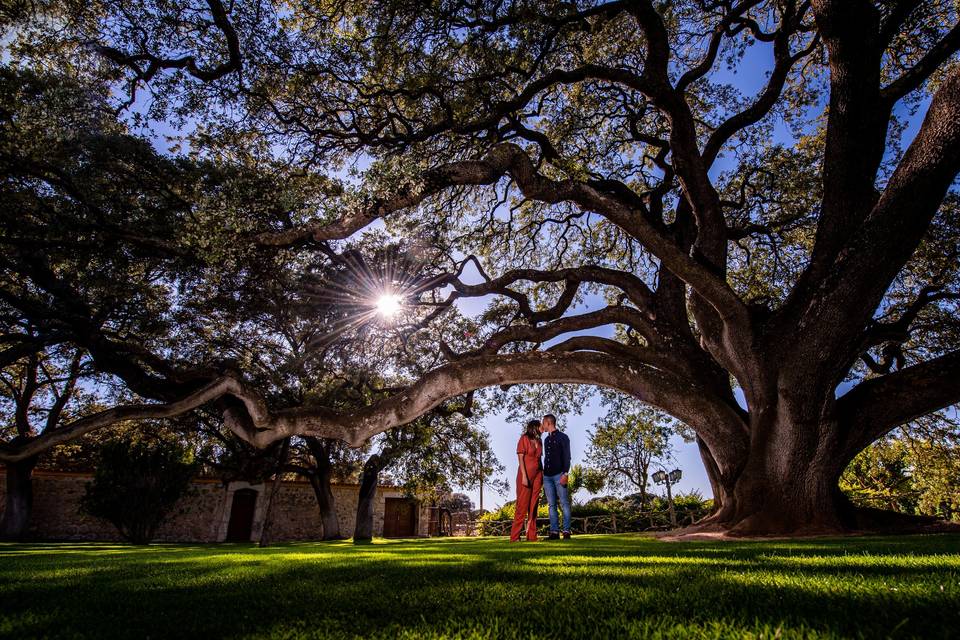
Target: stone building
x,y
218,512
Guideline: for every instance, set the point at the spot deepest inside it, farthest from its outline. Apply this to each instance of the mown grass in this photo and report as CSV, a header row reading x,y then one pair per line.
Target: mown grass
x,y
590,587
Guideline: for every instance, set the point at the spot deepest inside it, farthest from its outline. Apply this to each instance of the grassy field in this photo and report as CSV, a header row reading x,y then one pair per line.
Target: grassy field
x,y
592,586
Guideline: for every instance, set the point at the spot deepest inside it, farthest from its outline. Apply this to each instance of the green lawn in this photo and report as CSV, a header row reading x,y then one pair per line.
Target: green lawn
x,y
592,586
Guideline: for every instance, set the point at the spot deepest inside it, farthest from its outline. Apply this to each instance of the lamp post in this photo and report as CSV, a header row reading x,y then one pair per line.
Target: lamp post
x,y
668,479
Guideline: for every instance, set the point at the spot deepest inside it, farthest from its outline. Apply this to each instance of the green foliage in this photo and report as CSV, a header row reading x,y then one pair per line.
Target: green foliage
x,y
136,484
627,443
623,586
880,477
632,508
936,479
915,471
633,514
580,477
505,512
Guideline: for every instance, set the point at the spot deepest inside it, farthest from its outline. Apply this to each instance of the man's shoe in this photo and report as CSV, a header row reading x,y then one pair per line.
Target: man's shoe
x,y
553,536
566,535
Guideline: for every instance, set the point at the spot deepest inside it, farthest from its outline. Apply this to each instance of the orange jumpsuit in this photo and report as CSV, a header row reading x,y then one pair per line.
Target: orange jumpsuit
x,y
527,497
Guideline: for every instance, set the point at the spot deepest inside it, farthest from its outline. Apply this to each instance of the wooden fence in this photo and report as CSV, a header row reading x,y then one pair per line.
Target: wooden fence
x,y
607,523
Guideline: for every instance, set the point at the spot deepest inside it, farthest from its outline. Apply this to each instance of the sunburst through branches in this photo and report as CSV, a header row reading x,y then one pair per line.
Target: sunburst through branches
x,y
388,305
356,292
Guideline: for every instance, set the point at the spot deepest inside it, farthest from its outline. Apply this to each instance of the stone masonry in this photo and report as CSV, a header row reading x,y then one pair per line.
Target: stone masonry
x,y
202,515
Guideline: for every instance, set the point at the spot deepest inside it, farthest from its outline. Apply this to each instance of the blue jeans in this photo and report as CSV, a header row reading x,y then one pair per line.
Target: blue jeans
x,y
553,489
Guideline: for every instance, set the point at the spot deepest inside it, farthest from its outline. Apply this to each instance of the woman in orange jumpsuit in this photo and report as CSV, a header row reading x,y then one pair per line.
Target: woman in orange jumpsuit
x,y
529,481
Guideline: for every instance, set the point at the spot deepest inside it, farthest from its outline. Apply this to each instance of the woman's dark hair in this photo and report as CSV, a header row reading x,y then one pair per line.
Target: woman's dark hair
x,y
532,430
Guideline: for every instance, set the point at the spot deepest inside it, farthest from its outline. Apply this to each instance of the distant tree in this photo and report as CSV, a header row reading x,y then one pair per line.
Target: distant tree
x,y
457,502
592,480
428,457
137,483
626,443
936,478
483,469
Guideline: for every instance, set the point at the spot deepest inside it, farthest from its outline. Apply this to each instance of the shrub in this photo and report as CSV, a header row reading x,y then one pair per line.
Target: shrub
x,y
136,484
505,512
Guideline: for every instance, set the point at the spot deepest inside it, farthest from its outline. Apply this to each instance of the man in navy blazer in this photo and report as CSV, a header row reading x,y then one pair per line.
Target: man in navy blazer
x,y
556,466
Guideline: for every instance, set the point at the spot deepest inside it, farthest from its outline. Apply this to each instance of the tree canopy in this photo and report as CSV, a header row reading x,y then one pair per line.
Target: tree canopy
x,y
741,213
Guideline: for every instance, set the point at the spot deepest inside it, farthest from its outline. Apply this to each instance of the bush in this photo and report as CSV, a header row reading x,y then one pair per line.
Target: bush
x,y
506,512
136,484
631,514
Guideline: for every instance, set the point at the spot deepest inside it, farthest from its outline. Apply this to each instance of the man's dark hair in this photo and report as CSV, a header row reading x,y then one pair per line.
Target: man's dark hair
x,y
550,416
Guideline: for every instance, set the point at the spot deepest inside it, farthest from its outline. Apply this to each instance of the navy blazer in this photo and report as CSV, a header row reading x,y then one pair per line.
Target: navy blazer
x,y
556,453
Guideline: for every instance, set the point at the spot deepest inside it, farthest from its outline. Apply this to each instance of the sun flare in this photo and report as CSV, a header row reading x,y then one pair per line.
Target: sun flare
x,y
388,305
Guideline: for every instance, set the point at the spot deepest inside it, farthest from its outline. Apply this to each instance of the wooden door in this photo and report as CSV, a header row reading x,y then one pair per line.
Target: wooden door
x,y
241,515
399,518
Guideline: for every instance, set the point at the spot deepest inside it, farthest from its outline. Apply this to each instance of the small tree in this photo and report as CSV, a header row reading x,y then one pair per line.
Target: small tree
x,y
136,484
593,480
626,442
457,502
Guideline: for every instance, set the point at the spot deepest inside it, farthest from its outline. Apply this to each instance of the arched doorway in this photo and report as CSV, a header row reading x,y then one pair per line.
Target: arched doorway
x,y
241,515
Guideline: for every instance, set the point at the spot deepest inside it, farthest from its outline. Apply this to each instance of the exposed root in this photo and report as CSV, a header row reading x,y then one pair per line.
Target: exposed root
x,y
865,522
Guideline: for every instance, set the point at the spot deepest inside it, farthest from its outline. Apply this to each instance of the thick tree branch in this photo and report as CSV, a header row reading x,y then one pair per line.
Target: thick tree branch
x,y
875,406
856,128
509,159
635,289
591,320
134,412
247,414
899,330
846,300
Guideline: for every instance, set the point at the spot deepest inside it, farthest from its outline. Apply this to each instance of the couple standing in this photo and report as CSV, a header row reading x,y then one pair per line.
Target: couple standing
x,y
551,474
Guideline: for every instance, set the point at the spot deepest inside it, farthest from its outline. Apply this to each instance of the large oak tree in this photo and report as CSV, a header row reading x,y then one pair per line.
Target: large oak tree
x,y
796,243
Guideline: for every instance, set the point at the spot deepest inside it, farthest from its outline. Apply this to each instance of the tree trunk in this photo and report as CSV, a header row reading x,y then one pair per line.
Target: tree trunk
x,y
788,484
19,499
363,532
266,533
327,504
644,474
320,481
713,474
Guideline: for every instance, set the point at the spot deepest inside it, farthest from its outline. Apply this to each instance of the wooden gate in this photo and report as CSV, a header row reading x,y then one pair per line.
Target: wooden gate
x,y
241,515
399,518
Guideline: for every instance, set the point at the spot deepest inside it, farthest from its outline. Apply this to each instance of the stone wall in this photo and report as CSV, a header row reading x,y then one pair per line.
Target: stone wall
x,y
201,516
